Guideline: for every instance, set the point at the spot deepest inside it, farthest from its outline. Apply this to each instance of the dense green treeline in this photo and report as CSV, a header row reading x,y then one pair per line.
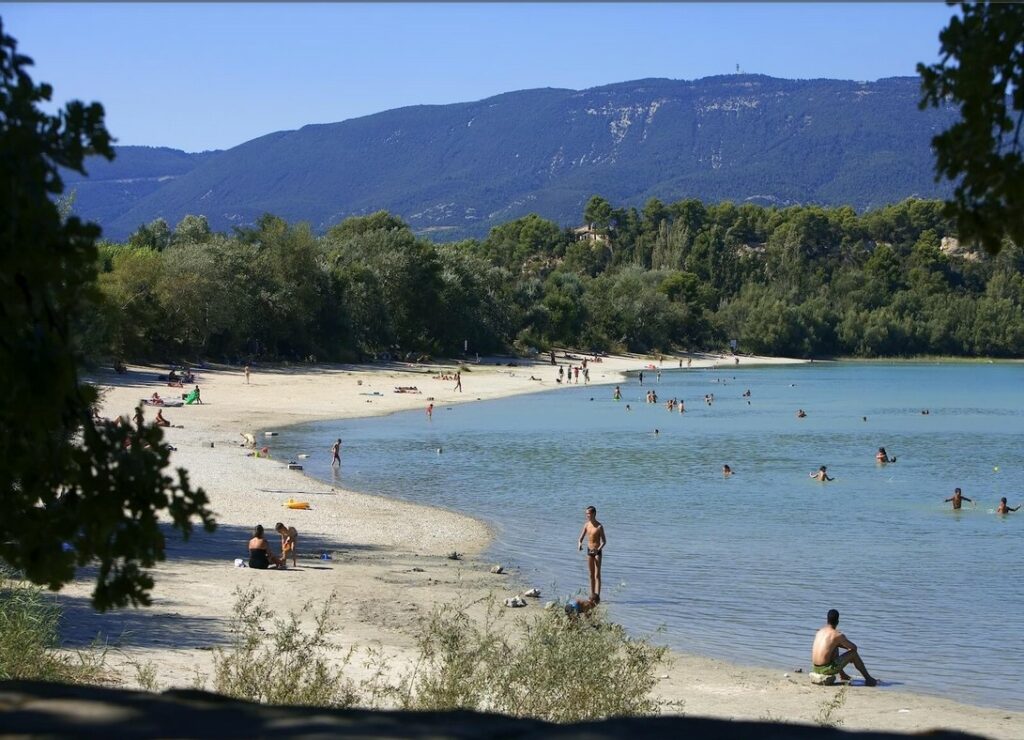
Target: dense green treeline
x,y
799,281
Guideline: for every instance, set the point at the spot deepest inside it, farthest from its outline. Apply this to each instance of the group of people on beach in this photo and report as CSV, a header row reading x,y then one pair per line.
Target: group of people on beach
x,y
572,375
261,557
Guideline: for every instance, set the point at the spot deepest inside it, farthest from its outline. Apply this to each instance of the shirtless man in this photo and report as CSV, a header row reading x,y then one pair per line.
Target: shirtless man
x,y
821,475
1003,508
957,498
336,452
883,457
593,530
825,657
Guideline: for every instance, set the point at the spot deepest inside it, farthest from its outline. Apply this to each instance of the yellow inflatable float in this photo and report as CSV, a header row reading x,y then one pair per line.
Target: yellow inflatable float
x,y
293,504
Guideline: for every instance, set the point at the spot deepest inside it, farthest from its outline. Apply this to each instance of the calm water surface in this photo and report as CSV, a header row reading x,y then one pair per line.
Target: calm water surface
x,y
745,568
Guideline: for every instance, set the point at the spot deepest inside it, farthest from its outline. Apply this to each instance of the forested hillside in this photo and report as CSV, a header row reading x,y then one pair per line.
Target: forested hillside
x,y
113,187
797,281
452,171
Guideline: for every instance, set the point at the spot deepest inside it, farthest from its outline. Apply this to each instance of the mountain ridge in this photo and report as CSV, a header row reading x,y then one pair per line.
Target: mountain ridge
x,y
458,169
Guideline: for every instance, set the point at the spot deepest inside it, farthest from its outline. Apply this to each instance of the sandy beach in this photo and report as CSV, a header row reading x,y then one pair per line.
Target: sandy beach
x,y
389,564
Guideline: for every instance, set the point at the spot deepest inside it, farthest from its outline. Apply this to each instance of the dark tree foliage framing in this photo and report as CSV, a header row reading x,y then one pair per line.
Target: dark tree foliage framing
x,y
75,491
982,71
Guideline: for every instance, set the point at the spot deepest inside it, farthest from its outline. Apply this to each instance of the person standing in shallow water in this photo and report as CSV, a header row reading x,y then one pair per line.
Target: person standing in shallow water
x,y
822,474
336,452
1003,508
957,498
593,531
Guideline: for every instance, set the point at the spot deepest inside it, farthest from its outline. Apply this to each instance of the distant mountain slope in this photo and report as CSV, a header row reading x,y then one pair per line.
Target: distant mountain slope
x,y
112,188
458,169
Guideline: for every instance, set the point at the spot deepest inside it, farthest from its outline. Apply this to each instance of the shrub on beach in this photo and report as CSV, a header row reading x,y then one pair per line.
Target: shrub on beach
x,y
548,666
30,639
284,664
556,668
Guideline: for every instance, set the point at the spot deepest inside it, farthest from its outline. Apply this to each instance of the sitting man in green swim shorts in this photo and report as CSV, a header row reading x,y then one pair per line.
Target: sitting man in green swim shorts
x,y
825,656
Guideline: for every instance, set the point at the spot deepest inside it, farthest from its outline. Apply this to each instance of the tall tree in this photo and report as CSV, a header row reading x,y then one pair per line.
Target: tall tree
x,y
74,491
982,70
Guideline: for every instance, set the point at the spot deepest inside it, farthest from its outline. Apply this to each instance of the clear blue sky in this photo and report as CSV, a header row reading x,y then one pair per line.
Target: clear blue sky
x,y
210,76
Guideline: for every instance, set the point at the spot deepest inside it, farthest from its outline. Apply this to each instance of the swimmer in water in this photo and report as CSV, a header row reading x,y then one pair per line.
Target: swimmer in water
x,y
883,457
617,395
1003,508
801,413
821,474
726,471
957,498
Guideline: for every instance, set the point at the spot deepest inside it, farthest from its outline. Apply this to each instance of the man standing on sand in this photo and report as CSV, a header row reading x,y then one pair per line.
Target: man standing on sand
x,y
957,498
593,530
458,381
825,657
247,370
336,452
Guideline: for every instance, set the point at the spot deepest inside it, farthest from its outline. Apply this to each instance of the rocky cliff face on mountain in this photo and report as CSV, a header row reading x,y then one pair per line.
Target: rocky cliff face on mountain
x,y
456,170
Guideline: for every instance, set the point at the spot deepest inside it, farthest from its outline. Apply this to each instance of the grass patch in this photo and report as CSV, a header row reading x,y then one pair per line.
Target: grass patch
x,y
30,639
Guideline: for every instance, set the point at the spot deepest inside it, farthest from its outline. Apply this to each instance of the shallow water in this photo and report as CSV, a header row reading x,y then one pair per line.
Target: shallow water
x,y
745,568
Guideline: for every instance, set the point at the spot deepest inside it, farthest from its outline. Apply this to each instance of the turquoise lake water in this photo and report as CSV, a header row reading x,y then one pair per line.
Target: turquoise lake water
x,y
745,568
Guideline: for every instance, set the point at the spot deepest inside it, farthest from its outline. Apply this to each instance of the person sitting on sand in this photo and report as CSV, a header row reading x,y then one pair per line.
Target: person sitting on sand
x,y
825,657
957,498
160,421
155,400
821,474
289,541
260,556
579,607
883,457
1003,508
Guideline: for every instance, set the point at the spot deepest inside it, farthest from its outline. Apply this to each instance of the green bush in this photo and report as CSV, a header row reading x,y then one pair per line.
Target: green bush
x,y
30,639
283,665
558,669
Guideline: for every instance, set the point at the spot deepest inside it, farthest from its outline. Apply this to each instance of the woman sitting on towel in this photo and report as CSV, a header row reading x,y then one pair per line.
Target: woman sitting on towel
x,y
260,556
160,421
155,400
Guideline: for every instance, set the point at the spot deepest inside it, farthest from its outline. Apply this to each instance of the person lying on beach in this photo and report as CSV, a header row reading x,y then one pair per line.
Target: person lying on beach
x,y
160,421
594,531
579,607
289,540
825,657
260,556
883,457
1003,508
957,498
821,474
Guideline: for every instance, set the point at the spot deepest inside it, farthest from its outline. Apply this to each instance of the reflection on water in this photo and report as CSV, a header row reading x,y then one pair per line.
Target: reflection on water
x,y
745,568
